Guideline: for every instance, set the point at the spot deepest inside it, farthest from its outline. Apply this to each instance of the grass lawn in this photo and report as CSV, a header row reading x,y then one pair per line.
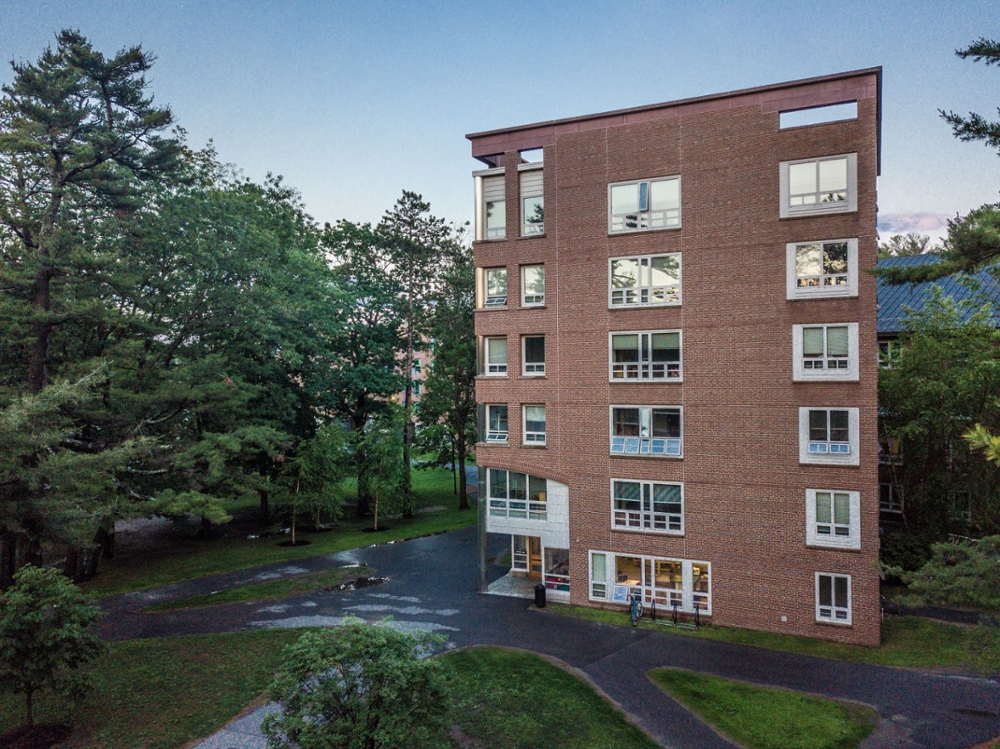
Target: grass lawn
x,y
160,694
163,693
906,641
195,559
766,718
308,582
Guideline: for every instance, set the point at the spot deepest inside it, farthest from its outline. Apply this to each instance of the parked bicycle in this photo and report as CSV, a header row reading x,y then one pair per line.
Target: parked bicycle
x,y
635,607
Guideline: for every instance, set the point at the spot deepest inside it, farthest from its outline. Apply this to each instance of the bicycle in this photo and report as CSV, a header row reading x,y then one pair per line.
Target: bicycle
x,y
635,608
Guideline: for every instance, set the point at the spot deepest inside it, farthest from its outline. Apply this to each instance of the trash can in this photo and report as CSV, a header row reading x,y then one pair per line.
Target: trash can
x,y
540,596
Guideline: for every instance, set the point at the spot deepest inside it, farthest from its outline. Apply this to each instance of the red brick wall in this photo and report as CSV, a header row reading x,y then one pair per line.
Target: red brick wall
x,y
744,489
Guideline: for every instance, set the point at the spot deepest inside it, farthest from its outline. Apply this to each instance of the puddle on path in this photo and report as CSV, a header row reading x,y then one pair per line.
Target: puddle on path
x,y
362,581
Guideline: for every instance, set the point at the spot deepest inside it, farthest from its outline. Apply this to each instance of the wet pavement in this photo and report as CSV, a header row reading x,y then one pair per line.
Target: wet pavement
x,y
432,586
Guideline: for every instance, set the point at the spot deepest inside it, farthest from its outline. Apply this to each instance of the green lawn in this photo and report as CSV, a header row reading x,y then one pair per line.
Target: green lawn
x,y
196,559
307,582
906,641
766,718
163,693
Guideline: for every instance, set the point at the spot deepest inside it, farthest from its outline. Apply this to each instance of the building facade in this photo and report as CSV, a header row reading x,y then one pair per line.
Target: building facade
x,y
678,355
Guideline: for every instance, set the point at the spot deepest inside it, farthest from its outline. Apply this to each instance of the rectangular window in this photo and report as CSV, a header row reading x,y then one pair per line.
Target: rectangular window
x,y
517,495
416,387
828,435
646,356
495,207
668,582
496,356
818,115
416,366
888,353
645,280
598,575
822,269
833,518
833,598
640,206
534,425
646,430
533,355
495,282
497,429
825,352
890,498
653,507
556,568
532,285
532,203
826,185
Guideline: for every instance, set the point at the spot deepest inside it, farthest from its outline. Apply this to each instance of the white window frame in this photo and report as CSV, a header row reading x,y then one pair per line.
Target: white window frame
x,y
828,614
646,219
646,520
641,295
537,368
687,597
822,290
645,446
480,176
535,301
813,535
527,193
647,366
498,302
800,372
495,369
522,509
497,437
597,589
895,503
849,458
846,206
535,438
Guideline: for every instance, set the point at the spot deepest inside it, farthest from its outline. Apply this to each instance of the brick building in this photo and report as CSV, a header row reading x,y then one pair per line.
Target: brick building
x,y
678,355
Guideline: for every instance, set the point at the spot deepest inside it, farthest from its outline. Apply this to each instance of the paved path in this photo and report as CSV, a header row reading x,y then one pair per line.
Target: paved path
x,y
432,586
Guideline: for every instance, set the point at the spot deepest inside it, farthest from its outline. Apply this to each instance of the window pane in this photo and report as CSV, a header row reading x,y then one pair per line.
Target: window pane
x,y
518,485
802,178
665,195
534,211
808,259
836,341
625,342
496,217
498,484
624,273
627,495
835,258
841,508
534,417
628,570
825,591
537,488
817,426
534,349
498,418
823,507
838,426
497,350
598,567
840,592
666,498
812,341
496,282
625,422
534,280
833,175
669,575
666,422
666,347
665,271
625,198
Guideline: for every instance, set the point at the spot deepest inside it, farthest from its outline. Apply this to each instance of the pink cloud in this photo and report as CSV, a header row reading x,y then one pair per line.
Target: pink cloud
x,y
922,222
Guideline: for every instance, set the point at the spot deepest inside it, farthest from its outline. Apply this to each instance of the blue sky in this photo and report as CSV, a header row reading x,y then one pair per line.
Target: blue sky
x,y
353,102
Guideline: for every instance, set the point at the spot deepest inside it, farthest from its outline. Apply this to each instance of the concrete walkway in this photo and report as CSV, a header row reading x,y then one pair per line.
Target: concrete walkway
x,y
432,586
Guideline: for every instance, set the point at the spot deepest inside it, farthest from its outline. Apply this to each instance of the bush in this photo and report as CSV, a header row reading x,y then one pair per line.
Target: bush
x,y
357,687
905,551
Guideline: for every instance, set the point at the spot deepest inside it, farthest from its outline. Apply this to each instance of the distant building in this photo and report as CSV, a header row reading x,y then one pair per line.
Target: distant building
x,y
421,365
678,371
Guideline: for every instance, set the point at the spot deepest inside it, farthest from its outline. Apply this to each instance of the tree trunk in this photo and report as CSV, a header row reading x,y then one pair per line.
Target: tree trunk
x,y
33,554
91,560
376,510
408,406
358,427
265,512
463,492
72,562
8,547
108,543
29,709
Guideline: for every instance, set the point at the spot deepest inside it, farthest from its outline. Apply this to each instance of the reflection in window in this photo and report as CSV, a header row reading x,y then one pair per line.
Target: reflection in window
x,y
646,356
532,285
496,287
821,264
654,204
814,183
645,280
637,430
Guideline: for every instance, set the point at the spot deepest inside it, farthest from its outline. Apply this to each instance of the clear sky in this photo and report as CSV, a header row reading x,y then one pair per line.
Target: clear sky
x,y
354,102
